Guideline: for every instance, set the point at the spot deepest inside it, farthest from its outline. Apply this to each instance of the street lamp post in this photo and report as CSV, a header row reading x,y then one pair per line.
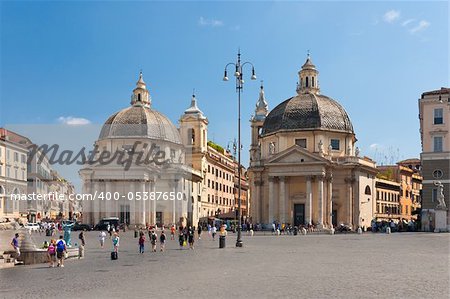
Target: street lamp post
x,y
239,87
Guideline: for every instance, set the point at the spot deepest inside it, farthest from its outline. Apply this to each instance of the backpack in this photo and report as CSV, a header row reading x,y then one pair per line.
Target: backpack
x,y
60,246
153,237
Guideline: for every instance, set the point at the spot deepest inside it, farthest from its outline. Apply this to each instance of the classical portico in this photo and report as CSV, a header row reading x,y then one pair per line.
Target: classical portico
x,y
304,165
292,185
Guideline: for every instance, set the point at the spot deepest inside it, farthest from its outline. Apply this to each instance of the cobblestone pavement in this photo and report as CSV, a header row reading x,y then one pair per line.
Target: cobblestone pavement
x,y
407,265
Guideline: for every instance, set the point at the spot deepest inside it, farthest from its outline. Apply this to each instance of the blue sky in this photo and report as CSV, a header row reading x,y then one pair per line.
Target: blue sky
x,y
79,61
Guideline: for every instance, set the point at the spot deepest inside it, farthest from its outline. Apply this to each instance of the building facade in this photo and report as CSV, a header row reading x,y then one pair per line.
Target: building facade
x,y
398,190
304,164
434,117
13,174
388,200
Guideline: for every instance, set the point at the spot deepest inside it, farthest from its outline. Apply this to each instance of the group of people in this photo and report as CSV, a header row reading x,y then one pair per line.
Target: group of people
x,y
153,238
56,249
56,252
115,240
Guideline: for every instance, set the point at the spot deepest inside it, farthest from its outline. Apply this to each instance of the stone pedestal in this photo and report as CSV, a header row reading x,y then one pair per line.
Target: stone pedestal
x,y
440,221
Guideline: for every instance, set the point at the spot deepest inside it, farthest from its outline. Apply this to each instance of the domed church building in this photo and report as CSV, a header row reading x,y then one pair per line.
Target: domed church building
x,y
147,181
304,164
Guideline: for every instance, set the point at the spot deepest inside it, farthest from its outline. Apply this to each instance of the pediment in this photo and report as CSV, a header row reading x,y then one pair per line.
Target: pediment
x,y
296,154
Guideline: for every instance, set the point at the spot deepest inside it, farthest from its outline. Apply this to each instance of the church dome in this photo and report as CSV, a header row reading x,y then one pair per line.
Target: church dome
x,y
308,111
140,120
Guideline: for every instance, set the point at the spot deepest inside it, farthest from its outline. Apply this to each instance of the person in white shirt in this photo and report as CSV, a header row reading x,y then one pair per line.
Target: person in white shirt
x,y
101,238
214,231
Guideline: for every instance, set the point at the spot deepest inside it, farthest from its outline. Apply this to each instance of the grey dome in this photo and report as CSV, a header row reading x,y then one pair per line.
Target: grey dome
x,y
307,111
140,122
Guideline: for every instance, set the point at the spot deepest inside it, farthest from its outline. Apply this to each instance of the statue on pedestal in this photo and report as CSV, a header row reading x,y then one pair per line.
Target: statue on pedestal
x,y
272,148
67,227
321,147
440,196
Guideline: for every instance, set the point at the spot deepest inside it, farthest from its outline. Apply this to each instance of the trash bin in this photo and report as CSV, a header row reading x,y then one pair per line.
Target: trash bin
x,y
295,231
222,242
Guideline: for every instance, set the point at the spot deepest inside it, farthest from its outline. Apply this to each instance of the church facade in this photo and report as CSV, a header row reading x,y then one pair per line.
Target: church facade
x,y
304,164
147,181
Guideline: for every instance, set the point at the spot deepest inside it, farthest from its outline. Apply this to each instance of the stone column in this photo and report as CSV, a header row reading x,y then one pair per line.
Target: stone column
x,y
260,201
96,205
133,207
282,201
330,200
255,202
271,200
320,197
308,205
153,202
87,205
349,182
141,190
110,205
173,188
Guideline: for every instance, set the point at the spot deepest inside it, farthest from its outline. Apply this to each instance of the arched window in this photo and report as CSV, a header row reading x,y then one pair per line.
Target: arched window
x,y
139,97
191,136
312,81
307,82
367,191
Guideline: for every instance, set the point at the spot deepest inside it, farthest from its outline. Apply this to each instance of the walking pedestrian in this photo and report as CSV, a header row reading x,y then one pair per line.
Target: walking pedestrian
x,y
116,242
162,241
51,252
153,239
61,249
141,243
191,233
172,232
181,239
81,237
214,231
15,245
199,231
101,238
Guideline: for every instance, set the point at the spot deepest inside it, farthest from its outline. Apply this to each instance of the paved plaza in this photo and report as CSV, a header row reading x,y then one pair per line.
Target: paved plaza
x,y
407,265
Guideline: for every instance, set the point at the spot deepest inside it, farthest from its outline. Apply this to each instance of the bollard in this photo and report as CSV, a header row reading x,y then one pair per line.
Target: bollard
x,y
332,231
222,242
359,231
388,230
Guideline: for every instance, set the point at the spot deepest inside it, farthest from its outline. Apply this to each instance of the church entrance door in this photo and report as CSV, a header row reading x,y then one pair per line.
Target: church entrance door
x,y
299,214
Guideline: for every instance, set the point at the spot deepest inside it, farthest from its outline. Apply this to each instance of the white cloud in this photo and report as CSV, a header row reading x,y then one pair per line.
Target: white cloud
x,y
420,27
374,146
391,16
407,22
210,22
73,121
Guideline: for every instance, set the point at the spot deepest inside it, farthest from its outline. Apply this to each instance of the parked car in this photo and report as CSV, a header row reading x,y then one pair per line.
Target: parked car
x,y
111,221
32,226
82,226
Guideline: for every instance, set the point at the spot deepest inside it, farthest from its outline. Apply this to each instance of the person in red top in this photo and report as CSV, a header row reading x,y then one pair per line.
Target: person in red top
x,y
172,232
51,251
141,242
